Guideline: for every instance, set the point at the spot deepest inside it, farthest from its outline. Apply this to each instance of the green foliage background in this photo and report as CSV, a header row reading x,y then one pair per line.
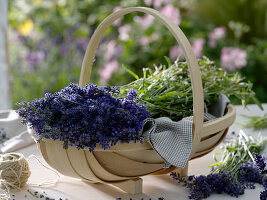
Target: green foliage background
x,y
61,25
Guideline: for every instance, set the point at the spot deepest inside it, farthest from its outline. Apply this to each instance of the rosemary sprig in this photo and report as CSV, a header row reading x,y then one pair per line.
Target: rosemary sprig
x,y
237,152
167,92
256,122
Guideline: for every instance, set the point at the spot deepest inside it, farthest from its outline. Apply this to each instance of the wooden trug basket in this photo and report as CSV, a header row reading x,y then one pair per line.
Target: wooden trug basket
x,y
123,164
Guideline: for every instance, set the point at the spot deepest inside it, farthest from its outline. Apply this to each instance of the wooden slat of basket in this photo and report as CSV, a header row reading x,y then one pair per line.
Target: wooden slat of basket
x,y
208,143
206,151
149,156
210,127
79,162
58,159
122,166
99,171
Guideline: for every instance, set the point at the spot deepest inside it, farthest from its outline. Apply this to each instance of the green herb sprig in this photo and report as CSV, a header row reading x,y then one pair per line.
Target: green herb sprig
x,y
167,91
237,152
256,122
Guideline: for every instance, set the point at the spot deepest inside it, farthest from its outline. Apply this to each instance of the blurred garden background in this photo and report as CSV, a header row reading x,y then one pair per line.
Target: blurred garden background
x,y
48,39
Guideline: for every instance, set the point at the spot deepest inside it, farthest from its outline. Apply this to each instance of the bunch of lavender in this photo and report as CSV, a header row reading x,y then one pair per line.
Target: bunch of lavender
x,y
249,173
86,116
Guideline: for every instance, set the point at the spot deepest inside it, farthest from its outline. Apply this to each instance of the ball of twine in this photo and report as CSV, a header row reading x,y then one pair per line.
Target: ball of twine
x,y
14,172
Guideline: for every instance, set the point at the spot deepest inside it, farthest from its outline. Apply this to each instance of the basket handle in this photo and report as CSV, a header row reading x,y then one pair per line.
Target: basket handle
x,y
197,89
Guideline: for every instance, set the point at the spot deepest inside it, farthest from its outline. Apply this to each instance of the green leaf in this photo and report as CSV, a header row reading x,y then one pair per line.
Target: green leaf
x,y
257,102
169,94
168,61
65,145
232,149
151,73
216,164
130,72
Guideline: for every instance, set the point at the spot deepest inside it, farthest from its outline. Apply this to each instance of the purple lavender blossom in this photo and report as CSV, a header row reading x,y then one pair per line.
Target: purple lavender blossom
x,y
63,49
81,44
202,187
263,195
260,162
3,136
233,58
86,116
33,58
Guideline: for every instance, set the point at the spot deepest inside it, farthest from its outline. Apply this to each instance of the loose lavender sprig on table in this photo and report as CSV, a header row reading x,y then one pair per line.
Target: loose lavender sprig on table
x,y
202,187
237,151
259,161
237,170
3,136
256,122
85,116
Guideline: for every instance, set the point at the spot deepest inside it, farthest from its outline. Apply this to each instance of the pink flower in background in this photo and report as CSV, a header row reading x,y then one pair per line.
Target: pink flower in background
x,y
145,21
175,52
112,50
148,2
172,12
144,41
156,3
217,34
233,58
155,36
118,21
197,47
108,70
124,32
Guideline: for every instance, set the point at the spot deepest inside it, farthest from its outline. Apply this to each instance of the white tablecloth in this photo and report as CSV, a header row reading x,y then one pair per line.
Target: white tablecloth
x,y
154,186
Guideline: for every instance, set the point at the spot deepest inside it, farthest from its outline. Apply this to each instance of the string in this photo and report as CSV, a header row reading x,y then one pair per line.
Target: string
x,y
15,171
45,183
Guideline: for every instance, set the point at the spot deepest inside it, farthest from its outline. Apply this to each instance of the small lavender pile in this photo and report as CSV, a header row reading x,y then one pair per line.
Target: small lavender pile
x,y
261,165
3,136
249,173
201,187
85,116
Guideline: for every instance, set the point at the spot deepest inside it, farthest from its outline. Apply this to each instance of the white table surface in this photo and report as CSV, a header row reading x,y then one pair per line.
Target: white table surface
x,y
153,186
